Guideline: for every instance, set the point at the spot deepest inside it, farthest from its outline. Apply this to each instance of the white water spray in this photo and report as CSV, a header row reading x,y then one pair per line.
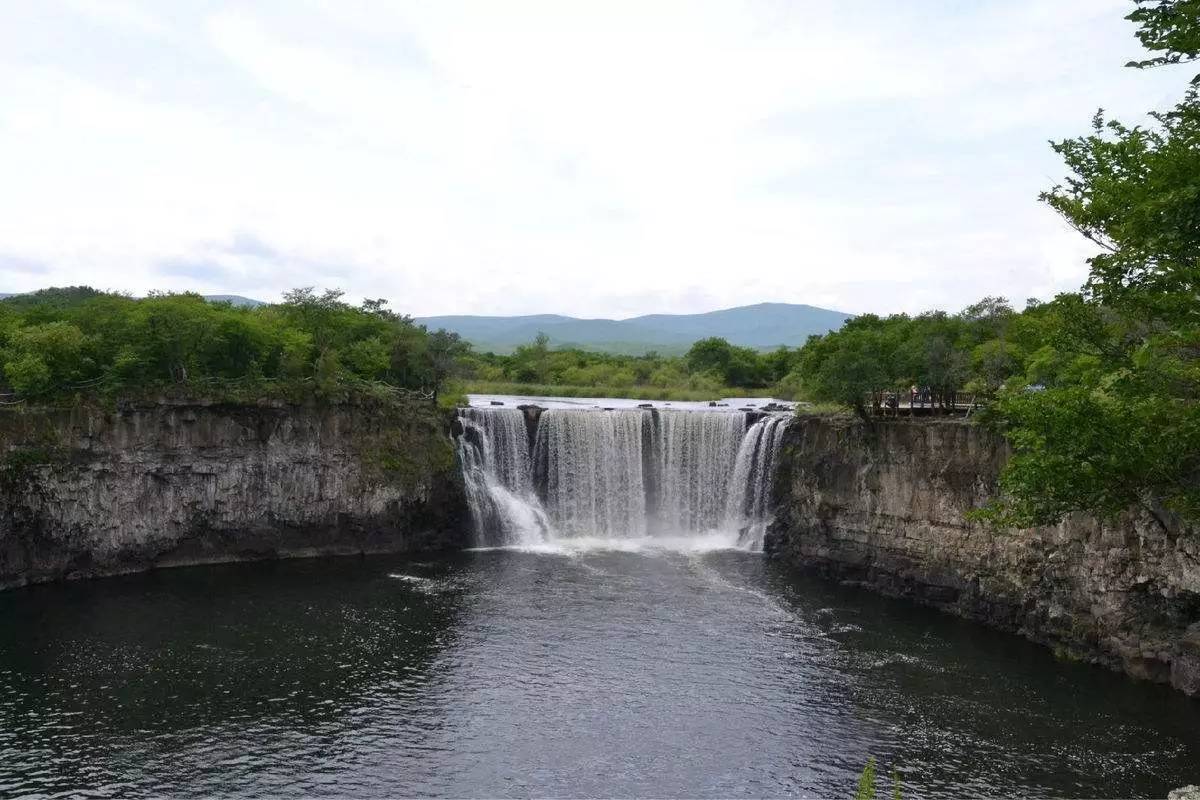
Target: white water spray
x,y
748,509
493,450
625,478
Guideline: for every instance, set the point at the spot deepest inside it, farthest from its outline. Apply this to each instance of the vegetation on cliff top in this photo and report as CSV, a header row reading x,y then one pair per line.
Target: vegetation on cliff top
x,y
1099,391
711,368
64,342
1126,430
59,343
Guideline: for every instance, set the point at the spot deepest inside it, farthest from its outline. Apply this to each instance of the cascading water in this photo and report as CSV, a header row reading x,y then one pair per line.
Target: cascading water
x,y
695,454
493,450
748,509
592,461
620,474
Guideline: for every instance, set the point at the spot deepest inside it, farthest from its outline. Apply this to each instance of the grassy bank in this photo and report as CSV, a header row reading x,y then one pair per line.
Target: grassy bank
x,y
632,392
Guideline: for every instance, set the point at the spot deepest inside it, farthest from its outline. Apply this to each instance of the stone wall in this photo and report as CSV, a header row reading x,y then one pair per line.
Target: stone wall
x,y
88,491
885,507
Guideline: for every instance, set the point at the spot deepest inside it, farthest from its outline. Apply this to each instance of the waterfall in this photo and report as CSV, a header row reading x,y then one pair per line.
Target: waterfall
x,y
619,474
748,510
594,483
695,456
493,450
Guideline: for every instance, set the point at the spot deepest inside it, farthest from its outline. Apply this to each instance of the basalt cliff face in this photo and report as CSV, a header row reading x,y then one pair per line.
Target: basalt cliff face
x,y
87,491
886,507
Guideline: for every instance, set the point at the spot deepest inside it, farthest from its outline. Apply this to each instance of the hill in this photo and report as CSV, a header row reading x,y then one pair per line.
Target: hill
x,y
234,299
81,291
762,326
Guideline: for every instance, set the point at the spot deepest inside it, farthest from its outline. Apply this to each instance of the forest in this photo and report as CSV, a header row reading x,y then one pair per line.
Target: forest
x,y
65,343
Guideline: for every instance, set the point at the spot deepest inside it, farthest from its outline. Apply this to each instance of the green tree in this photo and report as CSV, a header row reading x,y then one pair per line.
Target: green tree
x,y
46,356
1171,27
28,374
777,364
846,368
369,358
1118,424
709,355
445,351
1135,193
533,359
733,366
64,340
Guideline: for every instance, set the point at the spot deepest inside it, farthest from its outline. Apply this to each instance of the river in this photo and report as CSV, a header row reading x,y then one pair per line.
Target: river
x,y
569,671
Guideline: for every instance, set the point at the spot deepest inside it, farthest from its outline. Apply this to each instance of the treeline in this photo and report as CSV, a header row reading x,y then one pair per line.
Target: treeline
x,y
969,356
65,341
60,342
711,365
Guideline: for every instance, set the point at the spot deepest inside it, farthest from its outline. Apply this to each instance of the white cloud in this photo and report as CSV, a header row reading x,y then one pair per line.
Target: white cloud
x,y
601,159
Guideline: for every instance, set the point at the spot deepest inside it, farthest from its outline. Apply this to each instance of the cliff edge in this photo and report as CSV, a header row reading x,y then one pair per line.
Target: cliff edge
x,y
885,506
88,491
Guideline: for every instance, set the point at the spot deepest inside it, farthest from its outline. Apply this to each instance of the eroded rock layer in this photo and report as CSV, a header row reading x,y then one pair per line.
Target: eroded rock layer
x,y
886,507
88,491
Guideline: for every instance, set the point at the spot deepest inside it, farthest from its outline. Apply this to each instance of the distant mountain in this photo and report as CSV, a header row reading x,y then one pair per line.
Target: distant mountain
x,y
234,299
762,326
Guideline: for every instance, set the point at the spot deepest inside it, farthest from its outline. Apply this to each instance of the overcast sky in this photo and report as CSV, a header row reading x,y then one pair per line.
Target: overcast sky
x,y
595,159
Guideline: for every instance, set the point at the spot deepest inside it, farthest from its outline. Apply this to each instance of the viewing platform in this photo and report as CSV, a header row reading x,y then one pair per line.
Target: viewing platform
x,y
906,406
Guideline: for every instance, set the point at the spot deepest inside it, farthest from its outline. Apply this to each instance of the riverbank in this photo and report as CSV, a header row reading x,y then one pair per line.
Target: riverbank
x,y
88,491
885,507
629,392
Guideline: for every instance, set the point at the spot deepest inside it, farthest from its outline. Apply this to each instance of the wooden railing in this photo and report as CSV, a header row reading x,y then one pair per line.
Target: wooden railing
x,y
920,402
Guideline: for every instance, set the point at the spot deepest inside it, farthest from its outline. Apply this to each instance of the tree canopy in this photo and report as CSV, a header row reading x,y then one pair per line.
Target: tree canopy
x,y
1171,27
944,355
64,341
1122,426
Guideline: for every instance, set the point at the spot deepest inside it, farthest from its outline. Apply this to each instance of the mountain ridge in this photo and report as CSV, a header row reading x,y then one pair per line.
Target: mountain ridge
x,y
761,326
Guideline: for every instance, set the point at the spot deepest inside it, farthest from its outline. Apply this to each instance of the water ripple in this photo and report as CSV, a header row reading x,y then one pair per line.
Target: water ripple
x,y
595,671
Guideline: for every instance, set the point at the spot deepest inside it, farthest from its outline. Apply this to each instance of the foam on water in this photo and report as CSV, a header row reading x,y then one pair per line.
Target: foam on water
x,y
709,542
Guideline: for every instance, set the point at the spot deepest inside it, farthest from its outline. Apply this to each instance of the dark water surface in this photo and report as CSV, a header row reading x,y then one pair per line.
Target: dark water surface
x,y
512,674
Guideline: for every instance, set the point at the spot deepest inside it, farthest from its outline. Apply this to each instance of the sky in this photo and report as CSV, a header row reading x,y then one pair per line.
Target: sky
x,y
599,159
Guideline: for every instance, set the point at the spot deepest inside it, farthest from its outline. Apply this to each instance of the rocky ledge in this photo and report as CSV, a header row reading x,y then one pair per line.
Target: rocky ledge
x,y
88,491
885,507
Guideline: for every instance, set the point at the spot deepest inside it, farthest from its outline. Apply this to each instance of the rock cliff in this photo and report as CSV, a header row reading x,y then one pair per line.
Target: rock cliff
x,y
88,491
885,507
